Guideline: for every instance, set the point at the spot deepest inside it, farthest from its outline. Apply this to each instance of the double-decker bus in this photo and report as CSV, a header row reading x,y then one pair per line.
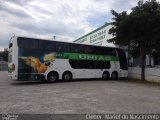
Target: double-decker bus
x,y
39,59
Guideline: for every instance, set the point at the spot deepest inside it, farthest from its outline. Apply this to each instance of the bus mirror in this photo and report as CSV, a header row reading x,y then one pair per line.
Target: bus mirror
x,y
47,63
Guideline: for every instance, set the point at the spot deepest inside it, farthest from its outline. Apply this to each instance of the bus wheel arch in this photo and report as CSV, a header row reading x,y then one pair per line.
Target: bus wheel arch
x,y
105,75
67,75
52,76
114,75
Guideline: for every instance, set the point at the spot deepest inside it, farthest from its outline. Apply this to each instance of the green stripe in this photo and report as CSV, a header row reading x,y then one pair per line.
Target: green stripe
x,y
78,56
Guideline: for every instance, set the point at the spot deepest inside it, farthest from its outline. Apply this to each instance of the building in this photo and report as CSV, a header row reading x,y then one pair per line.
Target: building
x,y
98,36
5,49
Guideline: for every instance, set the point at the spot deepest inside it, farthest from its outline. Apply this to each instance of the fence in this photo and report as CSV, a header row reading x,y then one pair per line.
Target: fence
x,y
151,74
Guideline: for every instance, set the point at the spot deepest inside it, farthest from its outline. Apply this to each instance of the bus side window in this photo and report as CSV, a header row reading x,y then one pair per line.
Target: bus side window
x,y
112,51
46,45
76,48
102,64
97,50
33,44
109,51
62,47
89,64
28,43
23,43
10,45
105,64
20,42
88,49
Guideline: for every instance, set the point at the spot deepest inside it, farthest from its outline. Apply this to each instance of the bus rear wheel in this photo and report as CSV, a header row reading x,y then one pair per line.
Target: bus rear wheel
x,y
52,77
114,75
67,76
105,76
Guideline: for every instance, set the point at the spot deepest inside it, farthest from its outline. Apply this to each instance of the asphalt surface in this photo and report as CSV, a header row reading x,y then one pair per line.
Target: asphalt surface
x,y
80,96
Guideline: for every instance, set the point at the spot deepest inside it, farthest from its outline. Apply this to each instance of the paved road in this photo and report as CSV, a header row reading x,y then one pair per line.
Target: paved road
x,y
92,96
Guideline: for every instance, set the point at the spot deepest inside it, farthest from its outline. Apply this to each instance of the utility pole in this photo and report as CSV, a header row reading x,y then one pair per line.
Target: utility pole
x,y
54,37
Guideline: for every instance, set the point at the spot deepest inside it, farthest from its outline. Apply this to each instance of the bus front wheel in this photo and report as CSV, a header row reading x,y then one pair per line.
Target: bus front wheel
x,y
67,76
53,77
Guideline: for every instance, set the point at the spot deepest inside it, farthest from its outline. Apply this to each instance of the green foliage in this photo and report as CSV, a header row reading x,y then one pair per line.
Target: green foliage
x,y
140,29
119,39
146,24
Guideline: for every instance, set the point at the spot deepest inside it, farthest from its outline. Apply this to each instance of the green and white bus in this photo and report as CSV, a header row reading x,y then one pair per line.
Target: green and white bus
x,y
39,59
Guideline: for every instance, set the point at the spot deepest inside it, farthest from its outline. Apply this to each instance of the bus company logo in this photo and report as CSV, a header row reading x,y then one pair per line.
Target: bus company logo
x,y
9,117
94,57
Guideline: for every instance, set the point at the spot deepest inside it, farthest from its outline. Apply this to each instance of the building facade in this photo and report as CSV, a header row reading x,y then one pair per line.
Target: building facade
x,y
100,36
97,37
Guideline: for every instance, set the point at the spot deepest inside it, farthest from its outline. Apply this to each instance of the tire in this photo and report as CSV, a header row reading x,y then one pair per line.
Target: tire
x,y
41,78
114,75
105,76
67,76
52,77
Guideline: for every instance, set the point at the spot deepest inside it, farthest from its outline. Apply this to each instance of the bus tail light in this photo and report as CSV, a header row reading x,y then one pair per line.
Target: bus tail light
x,y
13,67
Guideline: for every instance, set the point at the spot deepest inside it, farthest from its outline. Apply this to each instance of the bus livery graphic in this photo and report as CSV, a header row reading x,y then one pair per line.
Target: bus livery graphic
x,y
38,64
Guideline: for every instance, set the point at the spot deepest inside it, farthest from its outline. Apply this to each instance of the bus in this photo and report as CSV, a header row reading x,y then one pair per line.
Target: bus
x,y
47,60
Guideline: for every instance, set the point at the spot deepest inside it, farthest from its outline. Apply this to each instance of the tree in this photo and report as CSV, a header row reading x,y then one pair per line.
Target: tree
x,y
4,55
139,29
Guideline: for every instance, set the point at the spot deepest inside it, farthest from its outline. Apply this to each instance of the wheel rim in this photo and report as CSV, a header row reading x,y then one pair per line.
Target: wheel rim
x,y
52,77
105,76
67,77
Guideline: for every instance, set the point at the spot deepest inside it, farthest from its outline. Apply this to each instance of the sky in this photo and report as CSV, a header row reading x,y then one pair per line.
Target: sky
x,y
65,19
